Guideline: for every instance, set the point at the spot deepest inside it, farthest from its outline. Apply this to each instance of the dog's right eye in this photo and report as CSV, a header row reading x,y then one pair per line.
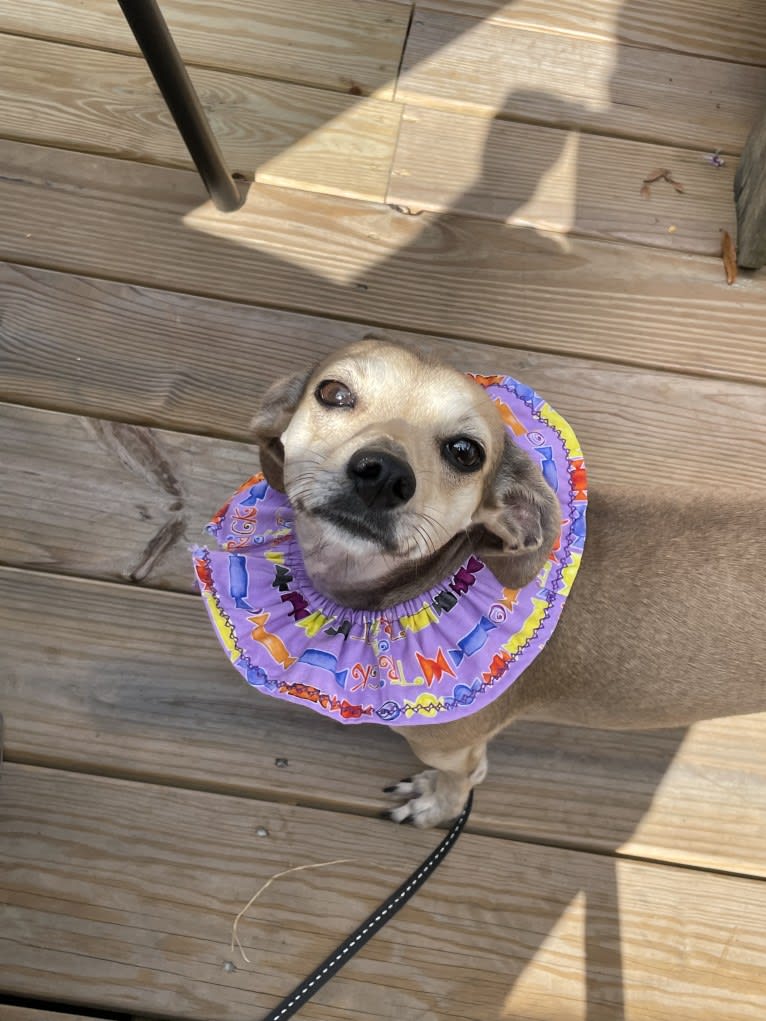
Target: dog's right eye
x,y
333,394
463,453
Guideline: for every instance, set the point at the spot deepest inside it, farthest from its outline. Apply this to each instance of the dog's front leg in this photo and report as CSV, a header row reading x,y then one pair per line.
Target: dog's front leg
x,y
437,795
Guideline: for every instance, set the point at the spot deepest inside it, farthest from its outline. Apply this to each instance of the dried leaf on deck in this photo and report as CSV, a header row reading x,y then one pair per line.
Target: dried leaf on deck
x,y
671,180
645,191
729,256
663,174
656,175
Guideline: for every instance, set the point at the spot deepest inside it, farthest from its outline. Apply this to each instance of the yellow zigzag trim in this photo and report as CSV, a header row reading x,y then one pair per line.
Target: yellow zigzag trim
x,y
569,573
554,419
528,628
223,626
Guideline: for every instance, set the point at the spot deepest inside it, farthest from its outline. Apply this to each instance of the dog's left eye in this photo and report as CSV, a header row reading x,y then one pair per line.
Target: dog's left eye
x,y
333,394
464,454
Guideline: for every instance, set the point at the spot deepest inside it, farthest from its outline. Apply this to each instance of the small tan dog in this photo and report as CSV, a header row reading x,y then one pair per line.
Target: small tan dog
x,y
398,467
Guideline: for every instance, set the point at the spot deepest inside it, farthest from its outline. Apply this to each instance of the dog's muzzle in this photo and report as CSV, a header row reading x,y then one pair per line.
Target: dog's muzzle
x,y
380,479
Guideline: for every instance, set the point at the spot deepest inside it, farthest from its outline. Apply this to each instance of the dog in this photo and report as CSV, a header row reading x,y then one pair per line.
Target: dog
x,y
398,467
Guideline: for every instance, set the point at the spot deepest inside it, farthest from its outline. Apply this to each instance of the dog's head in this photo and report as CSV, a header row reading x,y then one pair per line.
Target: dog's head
x,y
389,459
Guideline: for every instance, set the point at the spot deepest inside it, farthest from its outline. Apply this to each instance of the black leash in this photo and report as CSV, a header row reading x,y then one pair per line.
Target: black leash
x,y
353,943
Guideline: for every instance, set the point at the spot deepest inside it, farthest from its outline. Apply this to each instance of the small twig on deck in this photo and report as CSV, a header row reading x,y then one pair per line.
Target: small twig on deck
x,y
298,868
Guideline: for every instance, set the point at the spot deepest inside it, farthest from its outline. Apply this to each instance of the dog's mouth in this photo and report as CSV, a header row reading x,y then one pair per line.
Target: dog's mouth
x,y
367,500
376,527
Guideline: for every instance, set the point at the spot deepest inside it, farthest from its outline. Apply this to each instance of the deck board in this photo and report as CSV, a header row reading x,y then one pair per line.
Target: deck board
x,y
341,257
151,924
16,1013
583,184
339,44
574,82
158,874
142,495
91,347
277,132
733,32
132,682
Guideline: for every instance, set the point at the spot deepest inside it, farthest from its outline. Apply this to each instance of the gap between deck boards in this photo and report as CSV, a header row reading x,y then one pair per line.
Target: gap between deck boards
x,y
267,796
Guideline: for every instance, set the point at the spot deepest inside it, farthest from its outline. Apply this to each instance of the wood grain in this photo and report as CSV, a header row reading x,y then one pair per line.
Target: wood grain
x,y
15,1013
276,132
735,32
105,499
452,275
123,502
551,179
580,83
146,356
132,682
123,894
348,45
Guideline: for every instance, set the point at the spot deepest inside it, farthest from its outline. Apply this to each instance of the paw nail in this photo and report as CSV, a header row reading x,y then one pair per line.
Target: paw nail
x,y
390,790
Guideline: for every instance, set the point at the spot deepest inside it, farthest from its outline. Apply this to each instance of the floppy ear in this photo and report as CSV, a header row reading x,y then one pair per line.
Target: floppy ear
x,y
273,417
518,520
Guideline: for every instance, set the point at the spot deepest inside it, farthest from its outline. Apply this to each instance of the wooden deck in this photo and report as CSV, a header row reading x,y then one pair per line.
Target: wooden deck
x,y
460,173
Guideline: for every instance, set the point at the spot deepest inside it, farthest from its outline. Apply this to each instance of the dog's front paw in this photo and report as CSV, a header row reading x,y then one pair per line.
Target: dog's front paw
x,y
431,798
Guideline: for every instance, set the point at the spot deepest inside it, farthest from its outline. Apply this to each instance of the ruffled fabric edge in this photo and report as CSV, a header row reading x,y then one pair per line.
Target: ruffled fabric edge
x,y
348,687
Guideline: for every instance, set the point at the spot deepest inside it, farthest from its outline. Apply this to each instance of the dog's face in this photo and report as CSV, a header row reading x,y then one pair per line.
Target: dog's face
x,y
391,454
386,458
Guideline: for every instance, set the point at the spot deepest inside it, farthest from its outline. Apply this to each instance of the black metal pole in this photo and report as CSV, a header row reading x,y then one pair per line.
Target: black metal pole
x,y
162,56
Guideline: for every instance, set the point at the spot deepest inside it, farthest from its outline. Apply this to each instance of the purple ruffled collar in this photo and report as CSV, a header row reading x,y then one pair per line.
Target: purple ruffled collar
x,y
438,657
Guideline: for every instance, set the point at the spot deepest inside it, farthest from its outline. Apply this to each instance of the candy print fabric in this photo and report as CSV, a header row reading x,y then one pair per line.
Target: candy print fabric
x,y
439,657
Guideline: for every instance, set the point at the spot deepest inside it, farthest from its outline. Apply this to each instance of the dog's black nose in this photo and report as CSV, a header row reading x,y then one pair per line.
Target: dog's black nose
x,y
380,479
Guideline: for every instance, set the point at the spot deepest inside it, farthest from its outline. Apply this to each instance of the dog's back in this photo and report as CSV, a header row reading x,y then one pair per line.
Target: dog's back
x,y
666,621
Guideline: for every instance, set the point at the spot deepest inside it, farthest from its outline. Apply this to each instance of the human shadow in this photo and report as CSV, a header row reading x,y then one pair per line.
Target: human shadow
x,y
528,753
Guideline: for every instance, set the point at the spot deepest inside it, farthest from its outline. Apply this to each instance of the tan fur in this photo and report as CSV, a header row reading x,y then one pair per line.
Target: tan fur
x,y
664,626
